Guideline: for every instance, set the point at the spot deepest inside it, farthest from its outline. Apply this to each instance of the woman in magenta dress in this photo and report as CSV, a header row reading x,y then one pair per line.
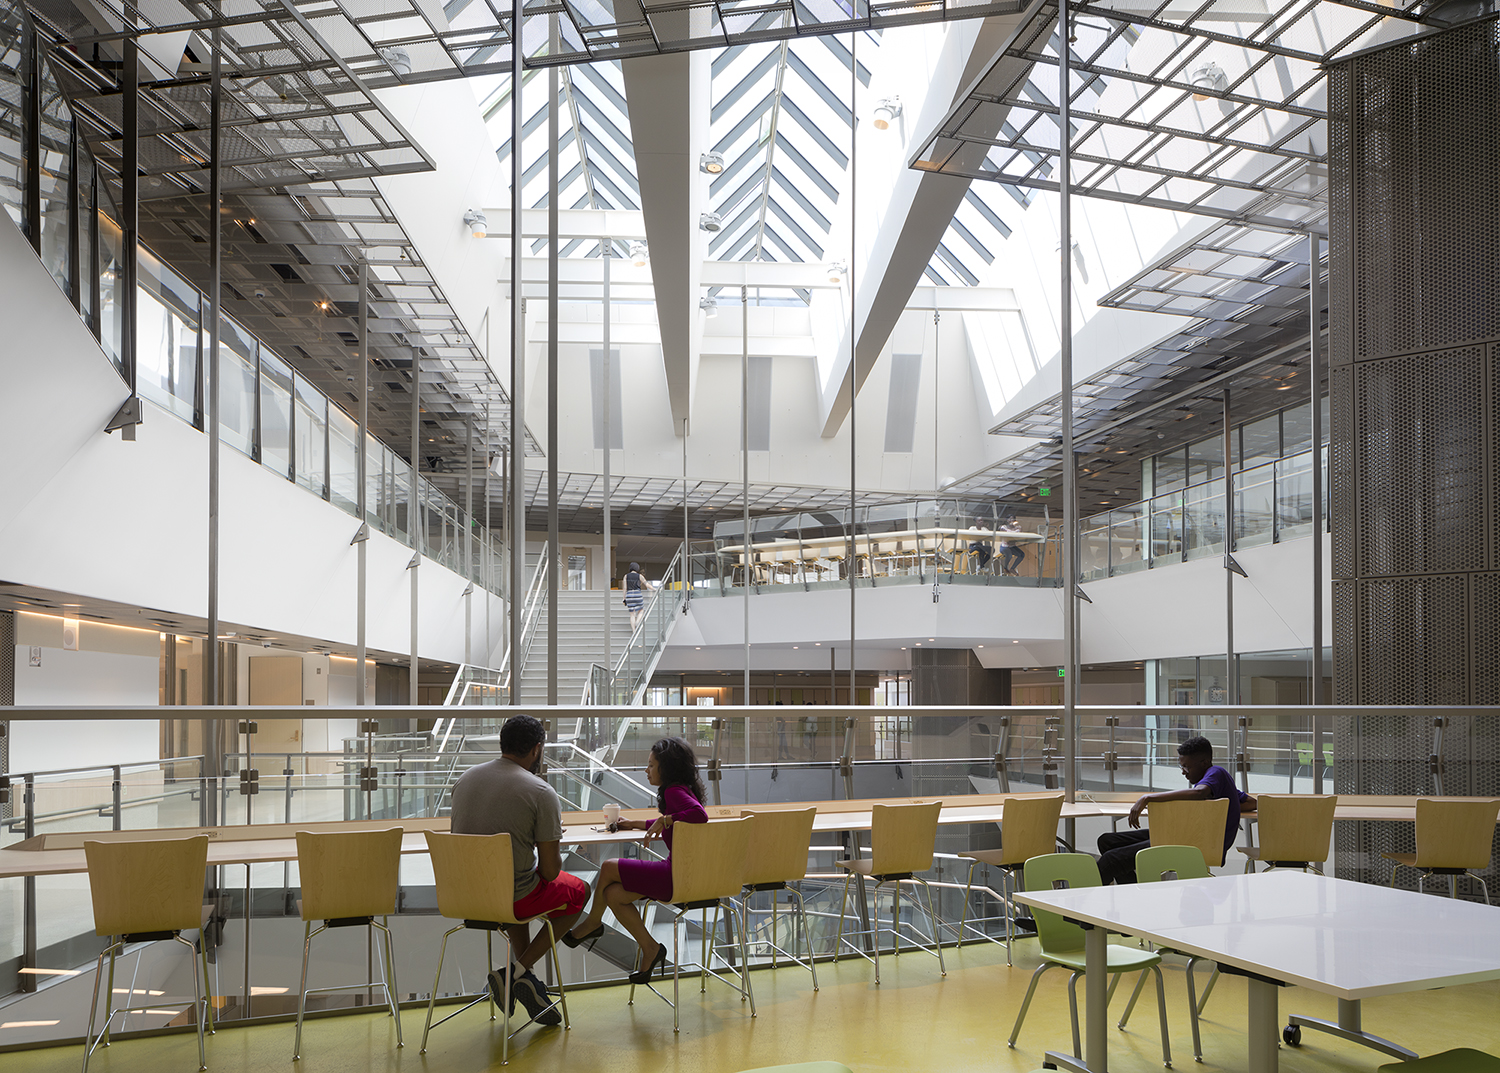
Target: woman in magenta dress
x,y
673,769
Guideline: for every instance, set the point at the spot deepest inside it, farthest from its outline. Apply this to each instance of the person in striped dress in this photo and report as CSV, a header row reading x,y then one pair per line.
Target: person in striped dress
x,y
636,587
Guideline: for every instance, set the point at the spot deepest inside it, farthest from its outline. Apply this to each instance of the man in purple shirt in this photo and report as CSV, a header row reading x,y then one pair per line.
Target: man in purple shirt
x,y
1207,781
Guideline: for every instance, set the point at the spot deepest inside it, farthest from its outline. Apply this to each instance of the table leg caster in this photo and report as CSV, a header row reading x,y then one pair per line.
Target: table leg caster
x,y
1292,1035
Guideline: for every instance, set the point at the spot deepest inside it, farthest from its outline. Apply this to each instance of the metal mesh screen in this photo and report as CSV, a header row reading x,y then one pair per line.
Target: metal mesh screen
x,y
7,690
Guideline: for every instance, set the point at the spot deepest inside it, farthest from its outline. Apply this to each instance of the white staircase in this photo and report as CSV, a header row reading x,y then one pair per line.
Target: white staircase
x,y
580,643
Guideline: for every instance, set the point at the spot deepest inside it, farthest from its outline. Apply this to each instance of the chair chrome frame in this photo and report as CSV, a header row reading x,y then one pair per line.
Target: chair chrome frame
x,y
201,1004
804,935
1004,896
680,910
1452,873
490,927
1161,1005
387,973
895,879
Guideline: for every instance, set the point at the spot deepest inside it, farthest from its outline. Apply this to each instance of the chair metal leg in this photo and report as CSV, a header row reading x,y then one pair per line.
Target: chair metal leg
x,y
1161,1012
745,964
1483,886
391,989
1134,994
198,1003
963,916
1026,1002
89,1041
510,983
110,991
838,941
562,992
1193,1010
432,998
872,912
1073,1009
208,989
936,927
676,970
302,991
812,963
1209,990
489,967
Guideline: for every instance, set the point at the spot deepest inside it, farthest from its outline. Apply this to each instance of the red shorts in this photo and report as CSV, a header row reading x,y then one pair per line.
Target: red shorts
x,y
563,896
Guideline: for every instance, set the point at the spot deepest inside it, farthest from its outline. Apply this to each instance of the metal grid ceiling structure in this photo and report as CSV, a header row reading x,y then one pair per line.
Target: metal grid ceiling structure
x,y
1415,392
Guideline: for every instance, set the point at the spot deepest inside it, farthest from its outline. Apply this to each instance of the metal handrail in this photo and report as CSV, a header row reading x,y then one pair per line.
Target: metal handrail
x,y
529,614
670,577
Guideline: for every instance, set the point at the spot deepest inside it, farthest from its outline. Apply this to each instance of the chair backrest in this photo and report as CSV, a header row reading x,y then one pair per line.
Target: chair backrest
x,y
153,885
708,859
902,837
1190,823
1295,827
349,873
779,844
475,876
1055,934
1455,833
1028,827
1153,863
1304,751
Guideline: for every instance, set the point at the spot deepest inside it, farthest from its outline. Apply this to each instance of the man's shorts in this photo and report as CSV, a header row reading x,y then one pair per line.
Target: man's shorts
x,y
562,897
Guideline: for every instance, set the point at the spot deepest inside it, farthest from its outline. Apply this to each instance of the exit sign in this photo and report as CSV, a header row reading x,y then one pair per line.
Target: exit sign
x,y
1060,672
1044,490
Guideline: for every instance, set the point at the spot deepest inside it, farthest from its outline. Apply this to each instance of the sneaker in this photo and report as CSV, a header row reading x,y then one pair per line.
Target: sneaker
x,y
497,990
533,995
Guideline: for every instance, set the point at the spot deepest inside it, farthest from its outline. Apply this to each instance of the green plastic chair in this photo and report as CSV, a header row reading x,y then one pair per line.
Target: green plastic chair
x,y
1155,864
1304,751
1062,943
1462,1060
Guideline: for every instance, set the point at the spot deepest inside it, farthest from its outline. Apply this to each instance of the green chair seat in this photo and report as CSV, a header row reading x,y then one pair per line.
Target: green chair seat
x,y
804,1067
1462,1060
1121,959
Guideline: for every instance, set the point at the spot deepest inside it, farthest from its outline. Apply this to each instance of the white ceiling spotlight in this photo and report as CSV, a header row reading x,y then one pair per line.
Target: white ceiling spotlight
x,y
887,111
710,221
1207,79
397,59
639,254
711,163
710,307
476,222
837,270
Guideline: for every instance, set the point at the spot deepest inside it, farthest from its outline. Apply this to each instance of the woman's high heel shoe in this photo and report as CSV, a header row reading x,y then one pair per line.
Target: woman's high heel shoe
x,y
571,942
660,961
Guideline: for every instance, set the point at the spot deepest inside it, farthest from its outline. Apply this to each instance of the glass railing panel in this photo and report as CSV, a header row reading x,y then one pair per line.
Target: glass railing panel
x,y
374,482
1127,539
1093,548
1294,497
167,343
343,461
1166,522
275,413
1203,505
111,279
12,173
237,387
1255,506
56,165
311,424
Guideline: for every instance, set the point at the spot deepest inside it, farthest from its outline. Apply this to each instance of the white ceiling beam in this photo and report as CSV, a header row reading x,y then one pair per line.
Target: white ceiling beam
x,y
626,224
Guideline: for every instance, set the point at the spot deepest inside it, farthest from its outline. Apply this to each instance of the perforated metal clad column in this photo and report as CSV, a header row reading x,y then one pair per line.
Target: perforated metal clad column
x,y
1414,301
7,690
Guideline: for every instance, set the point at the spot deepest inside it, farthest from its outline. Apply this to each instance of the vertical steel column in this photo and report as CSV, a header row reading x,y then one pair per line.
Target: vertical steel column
x,y
687,537
75,243
211,373
488,549
361,469
414,517
130,177
1231,679
1315,378
516,523
607,252
1065,361
853,559
31,135
745,470
553,551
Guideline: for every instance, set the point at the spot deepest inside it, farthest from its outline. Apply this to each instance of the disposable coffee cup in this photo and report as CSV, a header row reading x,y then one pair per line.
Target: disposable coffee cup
x,y
611,814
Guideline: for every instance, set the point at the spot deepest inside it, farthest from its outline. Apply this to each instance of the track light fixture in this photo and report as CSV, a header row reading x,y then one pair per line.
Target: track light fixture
x,y
1207,79
711,163
710,221
476,222
639,254
710,307
837,270
887,111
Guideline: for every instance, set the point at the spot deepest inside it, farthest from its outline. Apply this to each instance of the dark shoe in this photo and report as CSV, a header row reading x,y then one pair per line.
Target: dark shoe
x,y
497,990
533,995
644,976
571,942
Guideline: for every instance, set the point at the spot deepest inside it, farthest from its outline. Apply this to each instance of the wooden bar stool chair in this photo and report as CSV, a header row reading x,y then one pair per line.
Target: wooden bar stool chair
x,y
708,870
476,884
348,879
144,892
1454,838
901,844
1190,823
1028,828
1295,831
780,842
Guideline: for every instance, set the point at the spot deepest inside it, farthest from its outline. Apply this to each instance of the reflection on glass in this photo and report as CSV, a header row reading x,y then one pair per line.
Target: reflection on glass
x,y
1127,540
343,475
1204,507
275,413
1255,506
56,164
237,351
1166,529
111,283
166,334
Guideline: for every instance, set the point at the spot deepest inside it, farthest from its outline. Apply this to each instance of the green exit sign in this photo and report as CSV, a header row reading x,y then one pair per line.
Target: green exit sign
x,y
1061,672
1044,490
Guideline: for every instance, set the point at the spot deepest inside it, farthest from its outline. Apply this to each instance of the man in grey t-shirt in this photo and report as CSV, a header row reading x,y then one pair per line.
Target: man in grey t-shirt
x,y
507,796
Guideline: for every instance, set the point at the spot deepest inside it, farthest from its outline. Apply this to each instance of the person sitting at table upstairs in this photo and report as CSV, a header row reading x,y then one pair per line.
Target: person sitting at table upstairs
x,y
1208,781
508,796
673,770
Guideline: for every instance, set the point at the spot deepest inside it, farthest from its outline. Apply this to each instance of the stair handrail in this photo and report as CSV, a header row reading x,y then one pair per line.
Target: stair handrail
x,y
470,673
654,609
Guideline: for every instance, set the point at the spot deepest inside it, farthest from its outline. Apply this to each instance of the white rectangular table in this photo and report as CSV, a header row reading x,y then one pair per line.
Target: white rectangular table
x,y
1350,940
